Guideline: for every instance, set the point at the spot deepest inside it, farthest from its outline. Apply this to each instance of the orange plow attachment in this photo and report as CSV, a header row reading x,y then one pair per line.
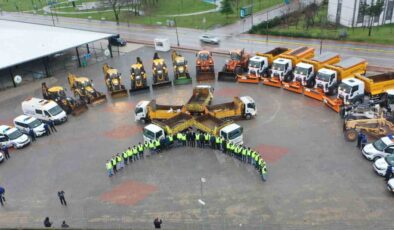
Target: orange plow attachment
x,y
295,87
248,79
316,94
335,103
273,81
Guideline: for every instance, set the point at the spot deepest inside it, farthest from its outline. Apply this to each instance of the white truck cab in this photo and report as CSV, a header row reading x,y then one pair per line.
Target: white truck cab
x,y
44,110
304,73
24,123
232,132
351,90
12,137
381,164
141,111
281,68
326,80
250,107
258,66
379,148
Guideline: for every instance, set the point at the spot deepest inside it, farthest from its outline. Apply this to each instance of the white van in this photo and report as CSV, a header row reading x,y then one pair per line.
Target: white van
x,y
44,110
24,123
12,137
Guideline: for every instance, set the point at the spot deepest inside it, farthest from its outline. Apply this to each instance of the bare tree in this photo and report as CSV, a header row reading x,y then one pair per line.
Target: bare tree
x,y
116,6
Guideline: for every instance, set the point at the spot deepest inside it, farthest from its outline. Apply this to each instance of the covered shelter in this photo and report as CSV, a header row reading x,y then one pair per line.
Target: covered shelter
x,y
24,42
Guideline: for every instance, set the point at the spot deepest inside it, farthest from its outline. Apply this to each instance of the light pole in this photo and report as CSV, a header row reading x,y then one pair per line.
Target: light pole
x,y
252,16
266,27
176,31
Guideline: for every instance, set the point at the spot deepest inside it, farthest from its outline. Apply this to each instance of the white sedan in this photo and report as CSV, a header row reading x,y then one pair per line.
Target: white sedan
x,y
381,164
209,39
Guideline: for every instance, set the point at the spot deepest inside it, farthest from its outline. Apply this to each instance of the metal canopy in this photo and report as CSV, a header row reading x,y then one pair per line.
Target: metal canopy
x,y
23,42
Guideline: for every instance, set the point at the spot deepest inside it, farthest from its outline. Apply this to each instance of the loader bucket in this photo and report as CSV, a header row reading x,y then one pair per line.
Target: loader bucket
x,y
227,76
161,84
183,80
119,93
205,76
79,108
98,100
138,89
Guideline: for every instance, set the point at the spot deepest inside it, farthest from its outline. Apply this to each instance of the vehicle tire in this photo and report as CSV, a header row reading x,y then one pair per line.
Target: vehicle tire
x,y
248,116
351,135
238,70
143,121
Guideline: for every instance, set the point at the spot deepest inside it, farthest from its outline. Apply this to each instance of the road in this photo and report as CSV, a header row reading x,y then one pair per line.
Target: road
x,y
232,36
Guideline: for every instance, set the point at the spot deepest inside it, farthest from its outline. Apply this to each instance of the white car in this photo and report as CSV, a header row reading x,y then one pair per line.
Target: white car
x,y
209,39
1,157
11,136
24,123
379,148
381,164
390,185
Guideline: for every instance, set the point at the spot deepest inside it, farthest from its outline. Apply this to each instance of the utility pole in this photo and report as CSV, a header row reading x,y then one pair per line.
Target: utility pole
x,y
266,27
176,31
53,20
252,15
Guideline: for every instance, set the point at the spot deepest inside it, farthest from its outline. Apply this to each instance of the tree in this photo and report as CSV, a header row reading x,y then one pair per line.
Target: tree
x,y
116,6
226,8
374,10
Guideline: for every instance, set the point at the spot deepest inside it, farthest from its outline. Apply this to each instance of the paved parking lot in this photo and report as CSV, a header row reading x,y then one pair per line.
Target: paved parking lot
x,y
316,179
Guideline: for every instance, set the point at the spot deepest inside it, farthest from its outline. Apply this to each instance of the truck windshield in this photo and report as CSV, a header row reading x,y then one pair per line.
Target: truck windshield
x,y
278,66
390,159
345,88
55,110
85,84
301,70
390,99
203,56
180,63
254,64
235,133
34,124
379,145
14,135
138,110
149,134
251,106
235,56
323,77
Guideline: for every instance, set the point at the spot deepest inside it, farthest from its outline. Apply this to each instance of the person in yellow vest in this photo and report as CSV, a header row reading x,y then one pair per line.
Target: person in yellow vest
x,y
233,146
157,146
130,155
135,153
109,168
264,172
125,157
178,139
206,139
243,152
151,147
253,157
119,161
114,163
140,150
249,155
170,140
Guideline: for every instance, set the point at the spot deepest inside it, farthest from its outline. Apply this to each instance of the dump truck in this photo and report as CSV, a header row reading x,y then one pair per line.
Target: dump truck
x,y
83,90
112,79
282,67
242,107
68,104
377,127
160,129
138,77
236,65
181,71
260,64
305,71
378,88
329,77
205,66
160,72
218,127
146,111
201,98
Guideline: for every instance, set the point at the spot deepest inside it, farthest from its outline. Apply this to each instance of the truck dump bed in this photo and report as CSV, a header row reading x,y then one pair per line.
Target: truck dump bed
x,y
210,124
349,62
176,124
226,110
325,57
300,53
200,98
161,112
379,83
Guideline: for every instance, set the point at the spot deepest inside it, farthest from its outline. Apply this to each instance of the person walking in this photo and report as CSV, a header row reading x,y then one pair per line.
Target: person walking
x,y
52,126
109,168
157,222
4,149
47,222
47,131
32,135
62,199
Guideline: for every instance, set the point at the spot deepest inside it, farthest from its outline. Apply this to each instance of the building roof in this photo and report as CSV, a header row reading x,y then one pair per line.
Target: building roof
x,y
22,42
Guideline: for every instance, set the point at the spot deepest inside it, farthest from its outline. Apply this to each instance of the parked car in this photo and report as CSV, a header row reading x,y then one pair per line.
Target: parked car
x,y
12,137
390,185
117,41
206,38
24,123
381,164
379,148
1,157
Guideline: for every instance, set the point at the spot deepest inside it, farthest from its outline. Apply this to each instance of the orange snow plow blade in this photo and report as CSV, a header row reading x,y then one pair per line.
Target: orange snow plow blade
x,y
248,79
316,94
295,87
335,103
273,81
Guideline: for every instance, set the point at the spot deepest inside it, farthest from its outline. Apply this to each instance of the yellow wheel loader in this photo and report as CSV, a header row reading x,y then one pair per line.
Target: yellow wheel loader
x,y
181,71
160,72
113,82
68,104
83,90
138,77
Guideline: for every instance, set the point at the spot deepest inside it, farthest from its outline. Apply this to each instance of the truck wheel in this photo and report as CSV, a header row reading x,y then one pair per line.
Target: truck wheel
x,y
351,135
238,70
248,116
143,121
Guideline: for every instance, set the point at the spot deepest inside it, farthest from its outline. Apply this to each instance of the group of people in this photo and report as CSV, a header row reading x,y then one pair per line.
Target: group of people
x,y
191,139
49,127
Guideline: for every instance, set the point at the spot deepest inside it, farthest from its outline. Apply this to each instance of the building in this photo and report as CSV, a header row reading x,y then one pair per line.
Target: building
x,y
347,13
